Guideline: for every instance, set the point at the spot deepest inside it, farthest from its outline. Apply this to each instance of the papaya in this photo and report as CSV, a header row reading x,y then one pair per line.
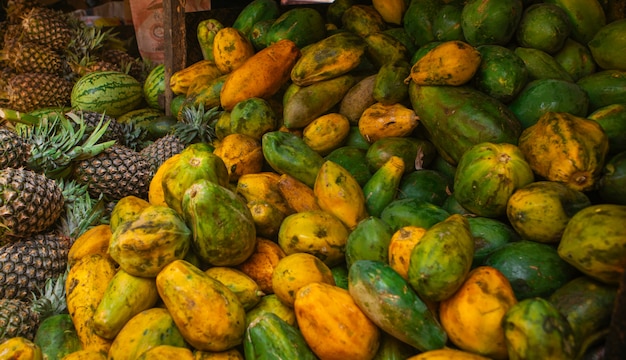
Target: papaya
x,y
472,316
231,48
287,153
458,117
253,117
222,227
611,187
253,12
605,87
387,120
20,348
612,119
586,17
533,269
244,287
330,57
601,260
447,353
412,212
425,184
390,87
566,148
125,296
382,188
418,21
318,233
542,95
353,159
323,309
271,67
310,102
489,235
326,132
207,313
382,48
400,246
147,329
302,25
587,304
447,22
449,63
501,74
487,175
205,33
56,336
143,246
415,152
363,20
490,22
442,258
270,337
541,65
606,44
260,265
527,336
270,303
338,193
403,314
242,154
543,26
370,240
358,98
540,210
576,59
295,271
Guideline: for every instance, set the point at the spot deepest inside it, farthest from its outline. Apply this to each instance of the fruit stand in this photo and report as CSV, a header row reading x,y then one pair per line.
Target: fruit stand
x,y
386,179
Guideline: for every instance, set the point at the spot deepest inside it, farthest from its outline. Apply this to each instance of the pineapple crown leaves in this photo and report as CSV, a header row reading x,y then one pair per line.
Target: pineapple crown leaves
x,y
81,210
56,144
51,300
196,124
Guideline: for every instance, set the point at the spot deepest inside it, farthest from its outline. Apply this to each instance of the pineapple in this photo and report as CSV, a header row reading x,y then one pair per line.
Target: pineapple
x,y
30,91
13,149
115,173
26,264
47,26
115,131
16,9
162,149
52,143
22,318
29,204
30,57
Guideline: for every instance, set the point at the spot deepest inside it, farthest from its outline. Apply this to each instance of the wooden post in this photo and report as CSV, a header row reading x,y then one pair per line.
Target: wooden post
x,y
175,44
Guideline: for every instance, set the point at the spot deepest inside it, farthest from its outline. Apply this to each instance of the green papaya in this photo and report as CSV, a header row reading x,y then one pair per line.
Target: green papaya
x,y
57,337
270,337
458,117
612,186
302,25
441,259
502,74
388,300
608,44
544,27
533,268
586,17
606,87
576,59
412,212
529,337
541,65
490,21
353,159
255,11
602,260
416,153
489,235
369,240
612,119
425,184
223,229
287,153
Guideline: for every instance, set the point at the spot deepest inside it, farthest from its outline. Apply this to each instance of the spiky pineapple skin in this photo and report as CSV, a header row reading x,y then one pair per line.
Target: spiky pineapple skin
x,y
162,149
47,26
30,57
27,264
31,91
17,318
29,202
115,173
13,150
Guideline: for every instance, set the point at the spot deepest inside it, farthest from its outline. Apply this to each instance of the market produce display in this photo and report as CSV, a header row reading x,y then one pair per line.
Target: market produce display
x,y
405,179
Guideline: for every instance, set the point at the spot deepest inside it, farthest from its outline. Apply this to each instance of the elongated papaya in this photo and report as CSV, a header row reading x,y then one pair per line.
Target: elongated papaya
x,y
270,68
309,102
328,58
382,187
449,63
205,33
393,306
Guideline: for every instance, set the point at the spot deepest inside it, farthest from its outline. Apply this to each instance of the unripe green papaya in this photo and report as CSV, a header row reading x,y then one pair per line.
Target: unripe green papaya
x,y
442,258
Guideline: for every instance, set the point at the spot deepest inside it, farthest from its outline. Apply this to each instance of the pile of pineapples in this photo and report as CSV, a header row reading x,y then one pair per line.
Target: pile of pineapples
x,y
62,170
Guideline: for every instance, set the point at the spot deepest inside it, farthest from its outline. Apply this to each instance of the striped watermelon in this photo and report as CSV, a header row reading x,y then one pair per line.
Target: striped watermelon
x,y
154,86
109,92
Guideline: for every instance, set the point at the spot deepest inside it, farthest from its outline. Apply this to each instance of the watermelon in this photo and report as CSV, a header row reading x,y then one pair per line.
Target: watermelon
x,y
108,92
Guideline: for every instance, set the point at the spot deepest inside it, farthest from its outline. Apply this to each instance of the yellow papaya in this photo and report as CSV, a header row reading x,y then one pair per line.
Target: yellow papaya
x,y
380,120
566,148
270,68
260,265
452,62
207,313
264,186
324,309
242,154
295,271
298,195
338,192
326,133
231,48
247,290
93,241
181,80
